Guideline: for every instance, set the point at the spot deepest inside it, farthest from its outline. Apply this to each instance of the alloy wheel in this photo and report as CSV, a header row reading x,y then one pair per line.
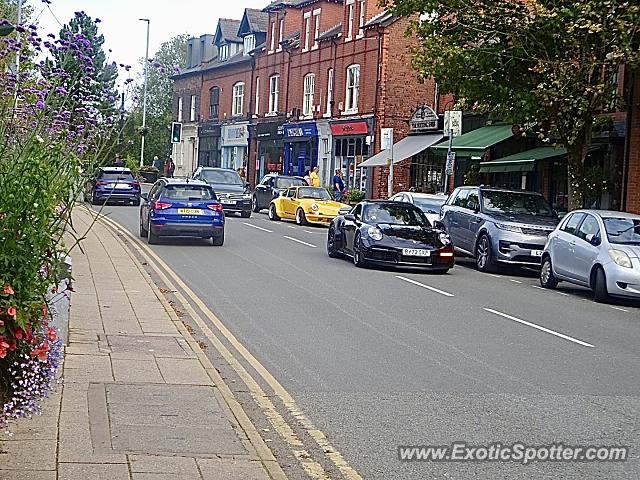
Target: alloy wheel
x,y
483,253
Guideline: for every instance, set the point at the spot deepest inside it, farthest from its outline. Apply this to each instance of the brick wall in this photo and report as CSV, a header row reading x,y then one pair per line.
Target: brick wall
x,y
185,87
225,78
633,167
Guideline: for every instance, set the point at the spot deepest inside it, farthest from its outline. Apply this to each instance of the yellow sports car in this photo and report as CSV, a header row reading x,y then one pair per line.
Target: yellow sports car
x,y
305,205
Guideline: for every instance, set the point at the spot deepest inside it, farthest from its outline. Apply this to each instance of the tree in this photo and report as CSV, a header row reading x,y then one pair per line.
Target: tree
x,y
541,63
79,38
170,57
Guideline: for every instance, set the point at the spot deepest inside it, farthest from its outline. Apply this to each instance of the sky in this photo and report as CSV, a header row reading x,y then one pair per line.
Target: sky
x,y
125,35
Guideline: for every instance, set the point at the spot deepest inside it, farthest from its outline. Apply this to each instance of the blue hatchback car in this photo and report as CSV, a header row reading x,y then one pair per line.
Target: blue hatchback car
x,y
181,208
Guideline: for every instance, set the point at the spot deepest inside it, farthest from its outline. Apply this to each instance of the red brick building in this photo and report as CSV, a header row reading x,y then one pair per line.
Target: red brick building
x,y
631,173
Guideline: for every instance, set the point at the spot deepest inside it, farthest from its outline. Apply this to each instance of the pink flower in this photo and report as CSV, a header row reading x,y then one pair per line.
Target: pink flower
x,y
8,289
42,353
52,334
12,312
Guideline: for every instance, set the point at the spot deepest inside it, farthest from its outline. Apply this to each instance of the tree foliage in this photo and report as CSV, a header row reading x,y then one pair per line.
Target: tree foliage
x,y
171,56
532,62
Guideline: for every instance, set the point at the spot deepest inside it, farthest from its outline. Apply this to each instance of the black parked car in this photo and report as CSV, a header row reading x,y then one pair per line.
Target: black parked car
x,y
112,184
390,233
232,192
271,186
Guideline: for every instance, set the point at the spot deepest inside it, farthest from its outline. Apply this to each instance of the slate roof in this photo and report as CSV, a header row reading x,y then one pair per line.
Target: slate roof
x,y
228,30
331,33
258,20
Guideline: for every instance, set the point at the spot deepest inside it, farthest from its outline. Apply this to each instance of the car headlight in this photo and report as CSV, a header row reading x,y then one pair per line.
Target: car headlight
x,y
247,196
445,239
374,233
314,207
508,228
620,258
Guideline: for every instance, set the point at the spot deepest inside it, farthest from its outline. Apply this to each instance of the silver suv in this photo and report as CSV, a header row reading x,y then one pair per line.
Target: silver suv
x,y
498,226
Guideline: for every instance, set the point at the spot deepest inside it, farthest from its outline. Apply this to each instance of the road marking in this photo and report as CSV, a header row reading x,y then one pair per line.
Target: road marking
x,y
441,292
313,468
316,233
549,290
514,281
257,227
538,327
291,226
300,241
618,308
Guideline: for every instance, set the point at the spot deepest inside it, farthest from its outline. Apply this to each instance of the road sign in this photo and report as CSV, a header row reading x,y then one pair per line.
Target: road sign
x,y
451,158
386,135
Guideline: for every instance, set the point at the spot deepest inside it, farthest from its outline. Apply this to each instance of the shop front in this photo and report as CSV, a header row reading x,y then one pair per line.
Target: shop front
x,y
235,143
351,147
300,148
270,148
209,144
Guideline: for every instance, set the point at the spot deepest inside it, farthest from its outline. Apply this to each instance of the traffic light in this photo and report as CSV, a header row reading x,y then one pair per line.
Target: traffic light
x,y
176,132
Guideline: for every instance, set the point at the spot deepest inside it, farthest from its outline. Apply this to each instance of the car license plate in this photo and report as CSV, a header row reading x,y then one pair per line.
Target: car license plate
x,y
416,252
536,253
228,202
122,186
190,211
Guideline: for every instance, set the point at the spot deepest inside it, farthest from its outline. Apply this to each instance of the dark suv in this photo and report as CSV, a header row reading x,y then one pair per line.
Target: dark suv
x,y
271,186
112,184
498,226
232,192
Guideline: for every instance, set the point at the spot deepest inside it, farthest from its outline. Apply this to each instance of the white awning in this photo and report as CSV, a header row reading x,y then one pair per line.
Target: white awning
x,y
405,148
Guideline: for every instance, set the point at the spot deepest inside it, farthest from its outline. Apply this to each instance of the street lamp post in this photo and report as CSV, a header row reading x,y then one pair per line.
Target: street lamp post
x,y
144,94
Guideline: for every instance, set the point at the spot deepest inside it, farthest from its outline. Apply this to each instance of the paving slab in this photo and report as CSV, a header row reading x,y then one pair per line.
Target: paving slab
x,y
84,471
183,371
165,465
231,469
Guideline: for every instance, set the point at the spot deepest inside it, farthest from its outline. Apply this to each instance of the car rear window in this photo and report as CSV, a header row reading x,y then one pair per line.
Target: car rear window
x,y
113,176
188,192
224,177
290,182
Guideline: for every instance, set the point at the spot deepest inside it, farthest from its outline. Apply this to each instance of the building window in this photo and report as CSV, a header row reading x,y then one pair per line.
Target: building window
x,y
316,31
307,30
257,110
224,52
353,89
272,45
329,91
249,43
238,99
274,92
214,103
179,109
351,13
363,11
309,90
192,114
281,34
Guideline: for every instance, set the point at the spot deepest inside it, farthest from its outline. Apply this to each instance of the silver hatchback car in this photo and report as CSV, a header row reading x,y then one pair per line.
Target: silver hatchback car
x,y
596,249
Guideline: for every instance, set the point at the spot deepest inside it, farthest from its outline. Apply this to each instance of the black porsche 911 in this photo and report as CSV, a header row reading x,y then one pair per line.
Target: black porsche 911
x,y
390,233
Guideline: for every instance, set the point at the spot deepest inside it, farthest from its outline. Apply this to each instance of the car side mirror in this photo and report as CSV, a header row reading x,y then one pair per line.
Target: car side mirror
x,y
144,196
350,217
439,225
593,239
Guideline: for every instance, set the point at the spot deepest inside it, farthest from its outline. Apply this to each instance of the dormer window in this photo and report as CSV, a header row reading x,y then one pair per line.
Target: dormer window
x,y
224,52
249,43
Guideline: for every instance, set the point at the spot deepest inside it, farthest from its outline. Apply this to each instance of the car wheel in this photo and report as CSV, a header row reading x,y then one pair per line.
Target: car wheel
x,y
143,233
246,214
152,238
484,256
332,248
218,240
358,261
601,294
254,205
301,218
547,278
273,213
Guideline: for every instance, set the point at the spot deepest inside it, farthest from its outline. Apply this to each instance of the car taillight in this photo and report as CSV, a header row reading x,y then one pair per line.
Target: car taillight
x,y
157,205
101,182
216,207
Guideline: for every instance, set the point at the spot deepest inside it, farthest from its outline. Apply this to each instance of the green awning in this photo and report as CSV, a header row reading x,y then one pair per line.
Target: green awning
x,y
476,142
522,161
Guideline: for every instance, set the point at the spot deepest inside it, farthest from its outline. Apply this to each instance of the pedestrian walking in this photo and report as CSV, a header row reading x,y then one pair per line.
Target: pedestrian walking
x,y
243,174
315,178
307,177
338,185
170,167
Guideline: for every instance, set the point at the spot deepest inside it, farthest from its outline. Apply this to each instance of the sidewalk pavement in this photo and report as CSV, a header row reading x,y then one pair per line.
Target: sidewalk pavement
x,y
139,399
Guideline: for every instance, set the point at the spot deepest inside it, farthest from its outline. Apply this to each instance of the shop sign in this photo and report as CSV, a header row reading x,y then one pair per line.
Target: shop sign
x,y
453,122
349,128
424,119
209,130
300,130
235,135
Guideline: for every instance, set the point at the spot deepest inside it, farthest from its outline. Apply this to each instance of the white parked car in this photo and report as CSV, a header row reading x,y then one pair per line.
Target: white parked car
x,y
429,203
597,249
